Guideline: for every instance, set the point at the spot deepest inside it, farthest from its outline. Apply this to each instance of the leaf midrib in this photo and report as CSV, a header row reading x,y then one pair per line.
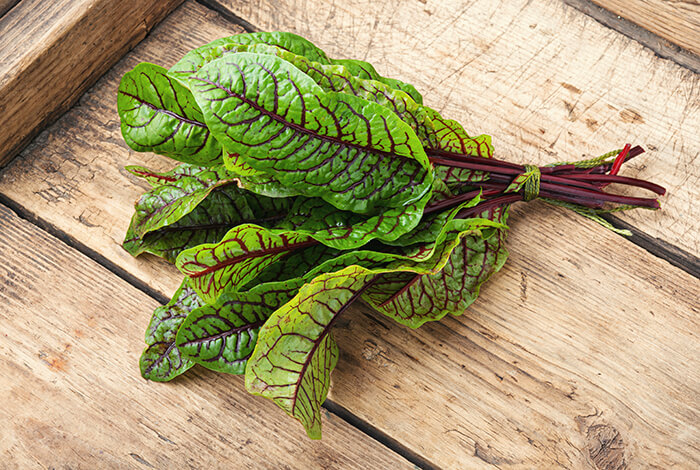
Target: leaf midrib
x,y
301,129
257,254
165,111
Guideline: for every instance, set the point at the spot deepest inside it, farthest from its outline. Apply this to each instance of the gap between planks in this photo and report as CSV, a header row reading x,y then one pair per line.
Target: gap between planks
x,y
63,329
480,450
331,407
661,46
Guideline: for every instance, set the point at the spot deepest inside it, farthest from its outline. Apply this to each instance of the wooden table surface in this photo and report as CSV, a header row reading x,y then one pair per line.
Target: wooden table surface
x,y
582,352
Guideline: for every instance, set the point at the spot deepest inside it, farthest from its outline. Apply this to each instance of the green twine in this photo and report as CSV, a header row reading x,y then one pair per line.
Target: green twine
x,y
531,188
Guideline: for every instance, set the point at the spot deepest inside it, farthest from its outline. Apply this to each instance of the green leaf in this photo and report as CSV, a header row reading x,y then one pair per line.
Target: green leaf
x,y
266,185
345,230
432,225
295,353
224,208
243,253
222,336
197,58
295,264
354,154
449,136
237,165
155,178
365,70
521,180
415,298
172,200
161,360
158,114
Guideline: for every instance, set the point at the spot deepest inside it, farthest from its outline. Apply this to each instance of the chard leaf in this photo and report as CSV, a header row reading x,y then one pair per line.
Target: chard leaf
x,y
415,298
222,336
294,265
432,225
295,353
224,208
243,253
159,114
161,360
354,154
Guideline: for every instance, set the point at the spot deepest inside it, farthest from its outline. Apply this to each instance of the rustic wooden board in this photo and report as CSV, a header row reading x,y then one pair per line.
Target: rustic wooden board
x,y
72,396
678,22
6,5
546,81
582,352
51,52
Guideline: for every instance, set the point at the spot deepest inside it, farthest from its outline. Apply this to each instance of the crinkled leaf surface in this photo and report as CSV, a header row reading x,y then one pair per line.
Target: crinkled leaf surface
x,y
345,230
354,154
169,202
362,69
222,336
415,298
267,185
161,360
224,208
156,178
449,136
243,253
158,114
197,58
295,354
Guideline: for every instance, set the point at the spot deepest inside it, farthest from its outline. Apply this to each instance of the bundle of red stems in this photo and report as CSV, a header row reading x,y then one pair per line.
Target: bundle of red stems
x,y
566,183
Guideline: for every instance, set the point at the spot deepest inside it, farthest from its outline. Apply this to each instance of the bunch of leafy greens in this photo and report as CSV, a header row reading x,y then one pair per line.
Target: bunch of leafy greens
x,y
305,184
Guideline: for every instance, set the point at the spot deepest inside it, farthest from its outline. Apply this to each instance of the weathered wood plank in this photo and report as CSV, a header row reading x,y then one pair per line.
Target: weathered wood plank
x,y
5,5
51,52
661,47
582,352
678,21
546,81
73,398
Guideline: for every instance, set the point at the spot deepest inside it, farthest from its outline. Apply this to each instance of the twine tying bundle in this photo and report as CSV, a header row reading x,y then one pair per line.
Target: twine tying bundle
x,y
531,188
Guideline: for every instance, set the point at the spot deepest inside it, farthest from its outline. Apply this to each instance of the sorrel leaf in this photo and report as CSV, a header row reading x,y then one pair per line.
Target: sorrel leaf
x,y
415,298
158,114
449,136
156,178
224,208
295,354
345,230
354,154
365,70
169,202
197,58
222,336
243,253
161,360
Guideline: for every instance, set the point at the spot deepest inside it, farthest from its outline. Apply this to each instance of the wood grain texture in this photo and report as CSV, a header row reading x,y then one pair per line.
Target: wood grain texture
x,y
661,47
546,81
52,51
581,353
6,5
676,21
73,398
